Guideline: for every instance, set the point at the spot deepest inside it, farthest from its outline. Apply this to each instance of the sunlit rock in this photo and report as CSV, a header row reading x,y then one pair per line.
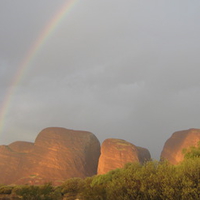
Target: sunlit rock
x,y
173,148
115,153
56,155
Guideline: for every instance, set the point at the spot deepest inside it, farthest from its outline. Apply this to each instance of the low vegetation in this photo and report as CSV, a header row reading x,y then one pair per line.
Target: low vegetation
x,y
153,180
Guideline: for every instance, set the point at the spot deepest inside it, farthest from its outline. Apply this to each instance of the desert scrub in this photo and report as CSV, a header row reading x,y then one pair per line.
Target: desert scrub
x,y
4,189
32,192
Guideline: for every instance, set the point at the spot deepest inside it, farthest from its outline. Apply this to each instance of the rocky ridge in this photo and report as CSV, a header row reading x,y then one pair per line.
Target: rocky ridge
x,y
173,148
56,155
115,153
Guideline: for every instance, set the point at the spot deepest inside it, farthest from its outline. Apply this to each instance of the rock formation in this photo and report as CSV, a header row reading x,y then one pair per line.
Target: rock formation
x,y
173,148
115,153
56,155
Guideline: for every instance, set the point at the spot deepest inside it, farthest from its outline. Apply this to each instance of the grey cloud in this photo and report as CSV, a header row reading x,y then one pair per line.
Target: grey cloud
x,y
119,69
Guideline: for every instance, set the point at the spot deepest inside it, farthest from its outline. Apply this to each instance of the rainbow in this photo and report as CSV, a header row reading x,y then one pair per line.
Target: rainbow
x,y
43,37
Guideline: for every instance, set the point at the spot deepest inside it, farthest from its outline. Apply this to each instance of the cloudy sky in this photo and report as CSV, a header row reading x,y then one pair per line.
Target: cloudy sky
x,y
123,69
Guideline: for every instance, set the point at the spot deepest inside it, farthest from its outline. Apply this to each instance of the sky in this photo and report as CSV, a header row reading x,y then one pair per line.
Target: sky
x,y
119,69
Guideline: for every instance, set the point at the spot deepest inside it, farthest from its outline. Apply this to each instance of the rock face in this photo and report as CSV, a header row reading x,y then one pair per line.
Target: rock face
x,y
56,155
115,153
172,150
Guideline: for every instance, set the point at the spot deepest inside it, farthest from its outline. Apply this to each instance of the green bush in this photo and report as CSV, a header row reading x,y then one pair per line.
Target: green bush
x,y
192,152
151,181
71,188
6,189
32,192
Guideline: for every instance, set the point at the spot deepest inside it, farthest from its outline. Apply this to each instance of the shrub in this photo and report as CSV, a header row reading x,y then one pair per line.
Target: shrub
x,y
6,189
71,188
44,192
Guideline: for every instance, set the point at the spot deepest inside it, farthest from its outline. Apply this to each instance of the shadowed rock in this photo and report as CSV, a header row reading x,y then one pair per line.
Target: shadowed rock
x,y
56,155
115,153
173,148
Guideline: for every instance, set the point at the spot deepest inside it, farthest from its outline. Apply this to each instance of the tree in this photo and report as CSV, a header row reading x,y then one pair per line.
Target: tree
x,y
192,152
